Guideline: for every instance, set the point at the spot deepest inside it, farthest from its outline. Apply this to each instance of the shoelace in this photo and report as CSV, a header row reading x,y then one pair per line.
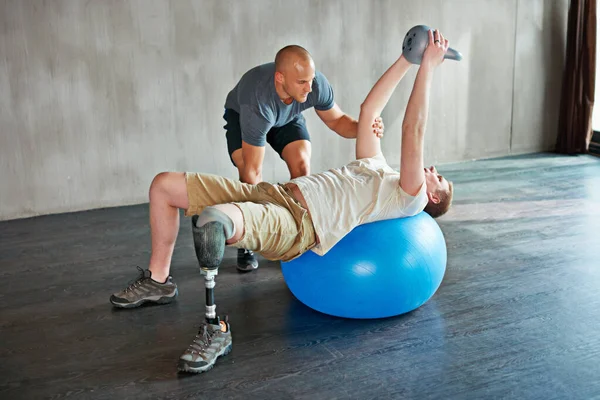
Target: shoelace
x,y
202,340
135,283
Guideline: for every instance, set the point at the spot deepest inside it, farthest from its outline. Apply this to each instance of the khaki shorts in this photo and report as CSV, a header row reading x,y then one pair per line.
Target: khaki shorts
x,y
275,223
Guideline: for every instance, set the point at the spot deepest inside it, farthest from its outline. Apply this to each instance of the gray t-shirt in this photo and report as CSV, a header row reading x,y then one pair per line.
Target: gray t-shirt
x,y
260,108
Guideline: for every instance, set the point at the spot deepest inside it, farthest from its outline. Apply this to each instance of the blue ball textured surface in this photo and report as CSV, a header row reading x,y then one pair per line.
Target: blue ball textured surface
x,y
378,270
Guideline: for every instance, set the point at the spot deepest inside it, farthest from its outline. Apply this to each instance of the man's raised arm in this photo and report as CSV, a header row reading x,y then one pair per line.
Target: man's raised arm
x,y
412,175
368,144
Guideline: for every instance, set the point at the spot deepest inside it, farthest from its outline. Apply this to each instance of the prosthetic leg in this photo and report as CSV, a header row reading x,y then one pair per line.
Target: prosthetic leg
x,y
209,284
211,229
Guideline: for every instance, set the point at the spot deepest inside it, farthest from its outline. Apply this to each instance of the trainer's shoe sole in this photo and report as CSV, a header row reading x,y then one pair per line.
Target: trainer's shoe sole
x,y
245,268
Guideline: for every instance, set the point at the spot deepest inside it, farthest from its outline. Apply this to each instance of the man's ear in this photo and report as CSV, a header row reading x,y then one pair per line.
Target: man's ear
x,y
434,198
279,77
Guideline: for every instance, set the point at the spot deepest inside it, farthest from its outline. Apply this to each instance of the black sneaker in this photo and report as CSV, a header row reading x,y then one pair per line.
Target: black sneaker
x,y
246,260
145,290
211,342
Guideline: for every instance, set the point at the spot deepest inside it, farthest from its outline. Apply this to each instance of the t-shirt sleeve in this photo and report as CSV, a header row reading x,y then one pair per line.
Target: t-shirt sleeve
x,y
255,125
324,92
377,162
412,205
402,204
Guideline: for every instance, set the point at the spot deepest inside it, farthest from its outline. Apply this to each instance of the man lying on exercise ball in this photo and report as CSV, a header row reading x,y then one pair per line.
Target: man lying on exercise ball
x,y
283,221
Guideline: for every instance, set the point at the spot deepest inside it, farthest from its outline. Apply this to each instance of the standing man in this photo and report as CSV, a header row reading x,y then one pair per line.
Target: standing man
x,y
266,107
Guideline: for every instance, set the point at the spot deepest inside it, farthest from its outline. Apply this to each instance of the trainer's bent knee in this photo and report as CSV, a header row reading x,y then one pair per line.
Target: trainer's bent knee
x,y
300,167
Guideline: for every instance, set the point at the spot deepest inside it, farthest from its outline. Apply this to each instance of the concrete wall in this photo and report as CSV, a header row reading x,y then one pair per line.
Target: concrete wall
x,y
96,97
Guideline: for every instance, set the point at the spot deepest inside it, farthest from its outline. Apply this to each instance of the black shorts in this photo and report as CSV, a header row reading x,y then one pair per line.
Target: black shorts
x,y
278,138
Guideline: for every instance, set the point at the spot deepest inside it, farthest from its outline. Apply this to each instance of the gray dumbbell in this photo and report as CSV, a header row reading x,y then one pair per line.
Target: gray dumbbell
x,y
415,43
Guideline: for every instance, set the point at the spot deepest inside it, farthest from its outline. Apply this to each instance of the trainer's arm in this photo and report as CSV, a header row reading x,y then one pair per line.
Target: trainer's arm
x,y
339,122
368,144
253,157
254,125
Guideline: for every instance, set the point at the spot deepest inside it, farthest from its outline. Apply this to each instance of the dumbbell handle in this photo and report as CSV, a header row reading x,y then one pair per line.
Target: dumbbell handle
x,y
453,54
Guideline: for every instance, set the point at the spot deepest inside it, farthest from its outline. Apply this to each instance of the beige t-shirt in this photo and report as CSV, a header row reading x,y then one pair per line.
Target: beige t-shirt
x,y
366,190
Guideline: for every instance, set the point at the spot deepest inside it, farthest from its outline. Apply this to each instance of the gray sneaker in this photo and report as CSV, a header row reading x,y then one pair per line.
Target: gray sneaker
x,y
145,290
246,260
209,344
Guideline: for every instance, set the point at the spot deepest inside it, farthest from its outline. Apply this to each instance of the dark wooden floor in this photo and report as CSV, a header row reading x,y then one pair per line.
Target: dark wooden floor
x,y
517,315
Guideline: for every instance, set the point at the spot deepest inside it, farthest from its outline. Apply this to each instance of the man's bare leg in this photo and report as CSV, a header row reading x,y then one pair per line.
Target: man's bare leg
x,y
168,193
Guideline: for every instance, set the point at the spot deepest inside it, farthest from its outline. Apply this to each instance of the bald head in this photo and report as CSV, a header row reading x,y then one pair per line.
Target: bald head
x,y
292,56
294,74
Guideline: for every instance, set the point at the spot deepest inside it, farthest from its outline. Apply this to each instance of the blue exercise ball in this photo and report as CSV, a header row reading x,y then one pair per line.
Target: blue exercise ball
x,y
378,270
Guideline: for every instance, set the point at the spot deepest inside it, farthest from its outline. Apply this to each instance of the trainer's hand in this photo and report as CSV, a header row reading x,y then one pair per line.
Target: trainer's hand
x,y
436,49
378,127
